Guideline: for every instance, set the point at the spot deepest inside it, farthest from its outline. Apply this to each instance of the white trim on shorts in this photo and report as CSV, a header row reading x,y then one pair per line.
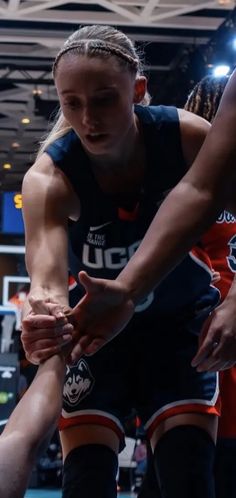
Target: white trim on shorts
x,y
205,402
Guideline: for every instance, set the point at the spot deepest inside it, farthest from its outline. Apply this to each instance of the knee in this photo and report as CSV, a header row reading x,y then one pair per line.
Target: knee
x,y
184,462
90,470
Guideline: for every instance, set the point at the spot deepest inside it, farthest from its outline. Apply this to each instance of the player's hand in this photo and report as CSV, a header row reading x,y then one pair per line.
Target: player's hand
x,y
100,315
45,331
217,350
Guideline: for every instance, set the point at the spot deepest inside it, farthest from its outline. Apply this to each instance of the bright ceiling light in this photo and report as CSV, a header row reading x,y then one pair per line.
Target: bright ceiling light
x,y
25,120
221,70
37,91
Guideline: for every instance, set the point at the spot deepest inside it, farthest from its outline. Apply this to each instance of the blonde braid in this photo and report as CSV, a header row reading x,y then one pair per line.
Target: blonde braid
x,y
91,47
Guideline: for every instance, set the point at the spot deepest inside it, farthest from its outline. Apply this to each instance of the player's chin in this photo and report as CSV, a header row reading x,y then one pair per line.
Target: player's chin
x,y
100,145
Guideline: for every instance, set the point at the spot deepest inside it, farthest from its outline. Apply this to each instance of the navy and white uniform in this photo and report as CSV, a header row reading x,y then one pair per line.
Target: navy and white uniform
x,y
148,366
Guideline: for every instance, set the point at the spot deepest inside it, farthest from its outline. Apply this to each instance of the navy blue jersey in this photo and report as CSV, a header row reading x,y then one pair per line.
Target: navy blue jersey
x,y
107,233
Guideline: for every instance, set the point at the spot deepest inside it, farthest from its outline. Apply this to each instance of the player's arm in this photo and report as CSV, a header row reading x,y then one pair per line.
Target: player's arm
x,y
177,224
192,206
108,305
31,423
48,202
206,189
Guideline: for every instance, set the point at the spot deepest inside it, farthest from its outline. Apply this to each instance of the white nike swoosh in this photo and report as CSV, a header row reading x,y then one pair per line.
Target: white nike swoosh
x,y
93,229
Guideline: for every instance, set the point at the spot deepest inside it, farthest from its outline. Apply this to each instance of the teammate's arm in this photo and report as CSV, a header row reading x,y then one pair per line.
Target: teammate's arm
x,y
191,207
108,305
176,226
31,423
48,202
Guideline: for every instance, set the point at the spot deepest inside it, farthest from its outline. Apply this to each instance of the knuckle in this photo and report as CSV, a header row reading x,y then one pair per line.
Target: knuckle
x,y
32,358
25,337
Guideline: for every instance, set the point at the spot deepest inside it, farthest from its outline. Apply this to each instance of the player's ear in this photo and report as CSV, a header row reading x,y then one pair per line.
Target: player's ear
x,y
140,89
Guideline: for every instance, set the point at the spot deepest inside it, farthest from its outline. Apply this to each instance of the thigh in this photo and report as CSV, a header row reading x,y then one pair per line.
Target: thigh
x,y
84,434
96,394
209,423
169,386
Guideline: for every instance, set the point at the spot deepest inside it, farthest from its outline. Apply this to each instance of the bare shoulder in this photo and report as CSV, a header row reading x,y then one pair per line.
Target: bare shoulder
x,y
191,123
44,183
193,130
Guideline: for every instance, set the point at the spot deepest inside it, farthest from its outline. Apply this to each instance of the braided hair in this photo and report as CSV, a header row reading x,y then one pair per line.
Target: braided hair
x,y
104,41
205,97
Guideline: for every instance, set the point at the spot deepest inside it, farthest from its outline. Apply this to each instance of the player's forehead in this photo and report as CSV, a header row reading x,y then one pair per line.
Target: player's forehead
x,y
91,73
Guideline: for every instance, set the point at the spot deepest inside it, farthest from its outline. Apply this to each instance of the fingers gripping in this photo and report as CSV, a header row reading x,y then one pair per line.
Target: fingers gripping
x,y
45,331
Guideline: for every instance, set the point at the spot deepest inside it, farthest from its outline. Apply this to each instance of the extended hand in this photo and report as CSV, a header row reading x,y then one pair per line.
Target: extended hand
x,y
217,349
100,315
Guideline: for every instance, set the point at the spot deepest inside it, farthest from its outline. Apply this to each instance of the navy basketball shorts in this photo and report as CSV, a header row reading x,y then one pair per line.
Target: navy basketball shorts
x,y
147,370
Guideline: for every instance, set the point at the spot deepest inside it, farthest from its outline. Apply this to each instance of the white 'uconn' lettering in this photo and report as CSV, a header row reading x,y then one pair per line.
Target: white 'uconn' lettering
x,y
113,258
97,257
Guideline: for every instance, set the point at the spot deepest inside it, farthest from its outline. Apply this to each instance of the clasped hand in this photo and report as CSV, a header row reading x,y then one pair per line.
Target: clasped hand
x,y
99,316
102,313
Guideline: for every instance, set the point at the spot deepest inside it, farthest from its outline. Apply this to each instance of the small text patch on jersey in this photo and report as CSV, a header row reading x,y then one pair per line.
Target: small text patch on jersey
x,y
226,217
96,239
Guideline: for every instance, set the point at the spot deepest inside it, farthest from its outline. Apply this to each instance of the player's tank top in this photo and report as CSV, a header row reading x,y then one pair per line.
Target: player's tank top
x,y
106,235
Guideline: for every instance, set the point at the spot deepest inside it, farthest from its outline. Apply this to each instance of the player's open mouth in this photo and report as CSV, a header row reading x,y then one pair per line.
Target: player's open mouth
x,y
96,137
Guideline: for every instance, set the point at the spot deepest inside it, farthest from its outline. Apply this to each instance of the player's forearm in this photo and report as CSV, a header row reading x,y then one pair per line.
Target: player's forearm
x,y
38,410
171,234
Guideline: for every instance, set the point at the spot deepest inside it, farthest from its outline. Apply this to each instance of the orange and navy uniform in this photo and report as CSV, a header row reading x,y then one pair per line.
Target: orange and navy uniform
x,y
220,244
157,380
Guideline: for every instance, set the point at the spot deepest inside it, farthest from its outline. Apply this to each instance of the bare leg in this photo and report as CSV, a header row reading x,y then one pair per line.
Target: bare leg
x,y
31,422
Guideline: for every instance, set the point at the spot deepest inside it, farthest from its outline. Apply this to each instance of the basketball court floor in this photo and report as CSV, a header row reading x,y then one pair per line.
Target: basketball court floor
x,y
43,493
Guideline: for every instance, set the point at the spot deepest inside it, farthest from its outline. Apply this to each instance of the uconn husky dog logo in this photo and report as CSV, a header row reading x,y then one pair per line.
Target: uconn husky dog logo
x,y
231,259
78,384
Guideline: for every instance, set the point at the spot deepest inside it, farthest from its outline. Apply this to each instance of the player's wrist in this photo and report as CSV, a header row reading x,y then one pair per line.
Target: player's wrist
x,y
128,290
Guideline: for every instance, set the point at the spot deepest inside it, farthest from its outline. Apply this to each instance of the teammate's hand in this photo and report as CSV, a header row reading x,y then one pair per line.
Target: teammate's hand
x,y
100,315
217,349
45,331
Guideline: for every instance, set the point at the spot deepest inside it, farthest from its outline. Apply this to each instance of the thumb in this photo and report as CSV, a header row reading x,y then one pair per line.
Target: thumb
x,y
91,284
